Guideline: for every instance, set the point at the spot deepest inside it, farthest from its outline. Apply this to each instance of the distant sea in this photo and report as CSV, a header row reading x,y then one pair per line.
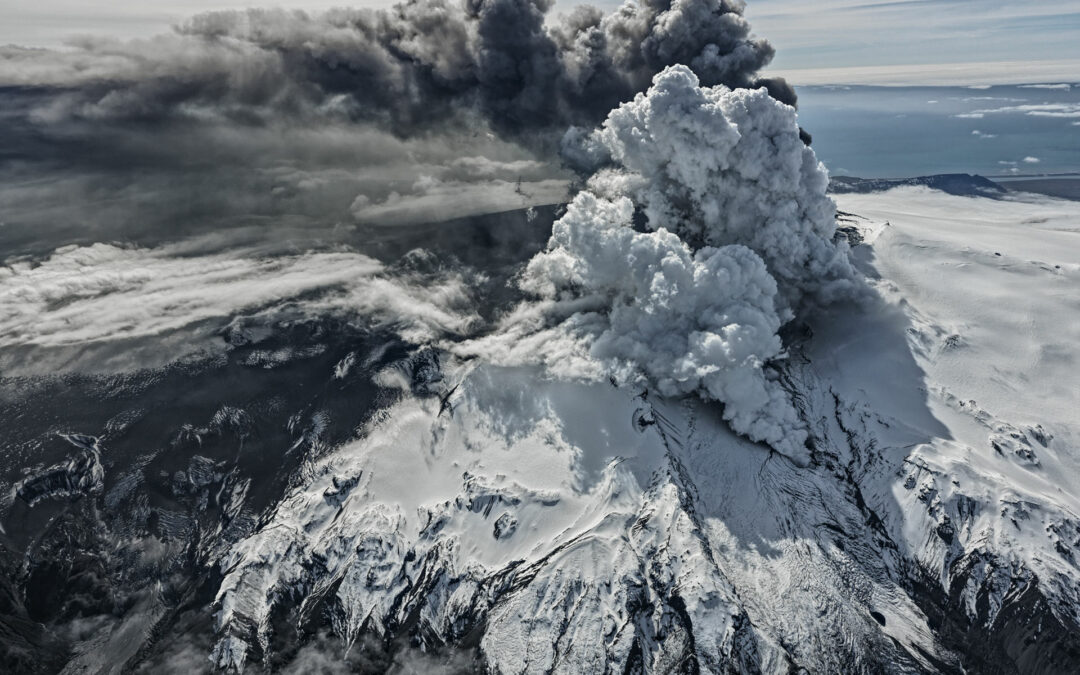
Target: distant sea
x,y
897,132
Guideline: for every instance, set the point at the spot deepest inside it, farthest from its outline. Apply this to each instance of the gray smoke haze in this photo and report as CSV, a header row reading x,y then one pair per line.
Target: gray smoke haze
x,y
354,120
311,123
420,65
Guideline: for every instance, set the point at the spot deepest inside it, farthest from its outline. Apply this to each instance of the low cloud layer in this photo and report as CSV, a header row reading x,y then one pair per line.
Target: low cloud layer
x,y
82,295
1058,110
432,199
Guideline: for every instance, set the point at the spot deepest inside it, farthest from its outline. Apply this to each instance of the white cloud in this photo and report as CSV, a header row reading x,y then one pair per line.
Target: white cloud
x,y
84,294
1031,160
435,200
981,134
1034,109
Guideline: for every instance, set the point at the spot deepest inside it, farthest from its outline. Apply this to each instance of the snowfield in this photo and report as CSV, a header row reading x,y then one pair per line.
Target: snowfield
x,y
564,526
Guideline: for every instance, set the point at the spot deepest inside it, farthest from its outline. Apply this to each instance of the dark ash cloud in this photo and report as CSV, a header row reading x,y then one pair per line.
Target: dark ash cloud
x,y
247,119
416,66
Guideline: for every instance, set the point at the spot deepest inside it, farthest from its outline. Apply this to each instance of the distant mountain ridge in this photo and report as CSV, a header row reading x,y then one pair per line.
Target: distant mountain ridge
x,y
960,184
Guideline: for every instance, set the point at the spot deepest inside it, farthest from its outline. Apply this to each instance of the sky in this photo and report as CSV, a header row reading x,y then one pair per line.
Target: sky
x,y
893,42
906,41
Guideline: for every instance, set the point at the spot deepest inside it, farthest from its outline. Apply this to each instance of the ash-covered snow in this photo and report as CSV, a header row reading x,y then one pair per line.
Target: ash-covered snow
x,y
78,476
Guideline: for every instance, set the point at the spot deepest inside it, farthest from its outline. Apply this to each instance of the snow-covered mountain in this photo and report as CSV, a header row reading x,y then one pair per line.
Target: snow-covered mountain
x,y
570,527
458,337
353,501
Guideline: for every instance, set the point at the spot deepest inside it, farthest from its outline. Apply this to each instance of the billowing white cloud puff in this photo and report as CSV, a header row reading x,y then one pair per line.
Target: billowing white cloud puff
x,y
691,321
720,166
739,238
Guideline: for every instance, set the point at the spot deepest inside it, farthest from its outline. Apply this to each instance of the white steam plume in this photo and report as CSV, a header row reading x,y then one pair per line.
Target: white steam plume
x,y
738,238
701,321
720,166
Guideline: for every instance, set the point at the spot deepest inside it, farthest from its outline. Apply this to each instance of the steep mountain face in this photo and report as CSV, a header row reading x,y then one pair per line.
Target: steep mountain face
x,y
582,527
328,497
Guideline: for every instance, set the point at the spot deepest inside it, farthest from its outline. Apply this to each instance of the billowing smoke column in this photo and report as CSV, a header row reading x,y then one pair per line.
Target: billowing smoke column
x,y
420,65
737,239
720,166
703,226
243,116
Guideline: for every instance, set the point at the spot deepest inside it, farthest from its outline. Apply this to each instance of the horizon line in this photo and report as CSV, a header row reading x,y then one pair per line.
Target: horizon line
x,y
961,74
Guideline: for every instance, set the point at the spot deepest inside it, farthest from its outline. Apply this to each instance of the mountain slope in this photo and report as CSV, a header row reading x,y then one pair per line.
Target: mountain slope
x,y
320,494
568,527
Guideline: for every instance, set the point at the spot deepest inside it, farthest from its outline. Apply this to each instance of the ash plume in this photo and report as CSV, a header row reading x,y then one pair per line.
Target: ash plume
x,y
720,166
448,105
257,118
418,66
737,238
